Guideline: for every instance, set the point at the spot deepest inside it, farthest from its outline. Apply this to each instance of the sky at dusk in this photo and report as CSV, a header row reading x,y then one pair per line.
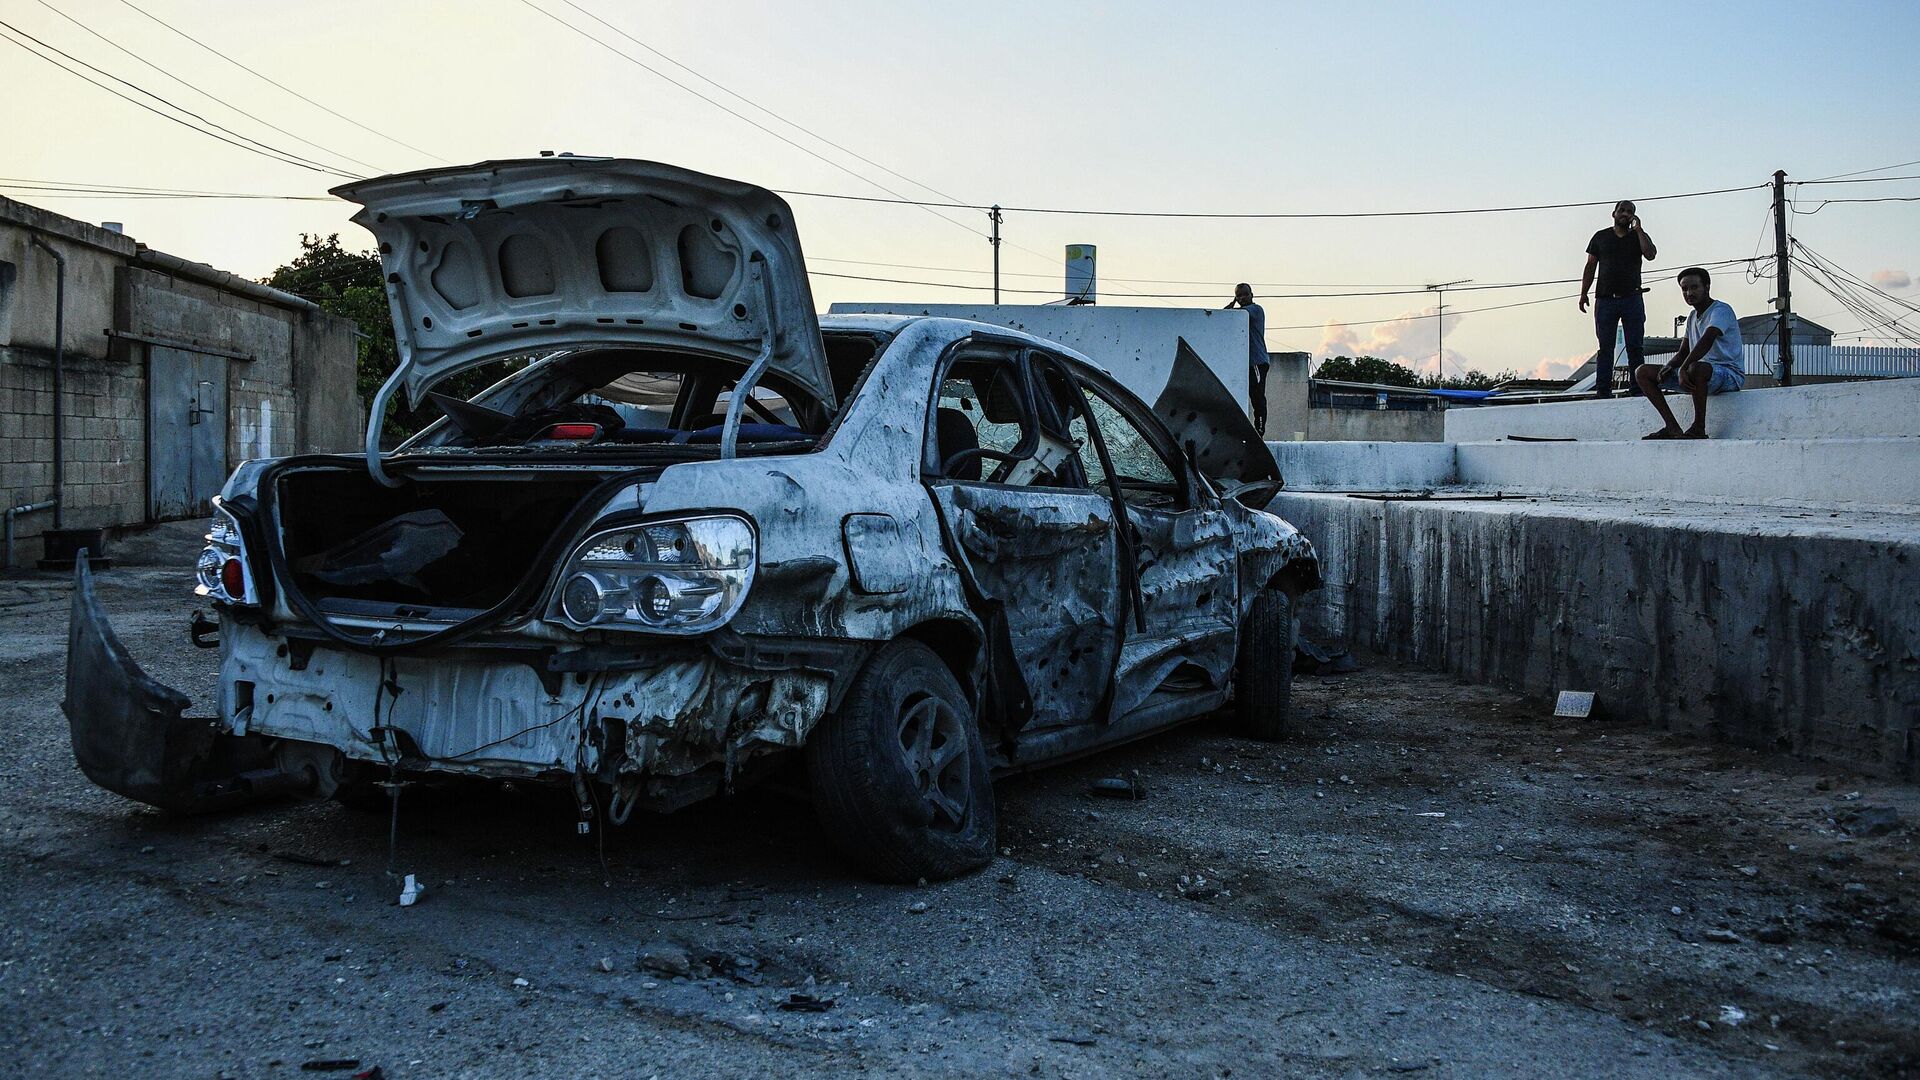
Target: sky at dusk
x,y
1286,109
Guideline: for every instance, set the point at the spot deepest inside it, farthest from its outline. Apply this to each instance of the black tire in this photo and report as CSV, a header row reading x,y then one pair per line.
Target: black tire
x,y
899,773
1263,679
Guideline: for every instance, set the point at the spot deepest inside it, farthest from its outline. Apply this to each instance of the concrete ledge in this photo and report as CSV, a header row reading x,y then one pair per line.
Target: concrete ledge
x,y
1364,466
1885,408
1881,472
1758,626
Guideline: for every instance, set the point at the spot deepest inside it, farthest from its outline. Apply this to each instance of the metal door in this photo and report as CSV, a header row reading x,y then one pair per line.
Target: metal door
x,y
186,431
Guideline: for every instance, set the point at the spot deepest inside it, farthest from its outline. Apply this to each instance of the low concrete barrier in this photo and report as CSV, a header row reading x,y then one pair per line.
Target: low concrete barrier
x,y
1364,466
1879,409
1822,472
1757,626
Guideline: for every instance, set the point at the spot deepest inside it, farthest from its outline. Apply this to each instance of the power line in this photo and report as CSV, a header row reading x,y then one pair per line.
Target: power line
x,y
756,105
1273,216
273,155
736,114
1492,286
1824,203
1865,180
1861,172
281,86
843,196
48,189
205,94
1228,285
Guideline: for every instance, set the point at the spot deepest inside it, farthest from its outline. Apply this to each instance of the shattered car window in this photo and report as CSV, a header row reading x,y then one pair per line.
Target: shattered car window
x,y
984,430
1145,477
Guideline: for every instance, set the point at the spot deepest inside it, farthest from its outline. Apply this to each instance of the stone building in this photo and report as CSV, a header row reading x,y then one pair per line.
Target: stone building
x,y
169,373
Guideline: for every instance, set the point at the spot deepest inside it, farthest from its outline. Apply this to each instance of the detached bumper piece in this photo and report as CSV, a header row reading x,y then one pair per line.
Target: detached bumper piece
x,y
130,734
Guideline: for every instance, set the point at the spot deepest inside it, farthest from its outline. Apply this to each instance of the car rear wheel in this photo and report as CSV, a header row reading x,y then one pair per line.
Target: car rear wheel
x,y
1263,679
899,774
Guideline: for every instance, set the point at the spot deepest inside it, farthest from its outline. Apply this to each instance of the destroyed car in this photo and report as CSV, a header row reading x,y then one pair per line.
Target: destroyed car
x,y
705,535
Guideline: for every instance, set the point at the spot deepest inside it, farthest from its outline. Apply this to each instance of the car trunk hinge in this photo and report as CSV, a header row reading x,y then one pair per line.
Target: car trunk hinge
x,y
742,390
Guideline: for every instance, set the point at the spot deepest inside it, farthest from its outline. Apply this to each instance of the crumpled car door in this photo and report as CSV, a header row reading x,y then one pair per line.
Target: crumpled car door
x,y
1184,549
1049,556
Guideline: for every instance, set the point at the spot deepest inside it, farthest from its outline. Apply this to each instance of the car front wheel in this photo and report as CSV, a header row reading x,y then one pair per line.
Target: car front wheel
x,y
899,774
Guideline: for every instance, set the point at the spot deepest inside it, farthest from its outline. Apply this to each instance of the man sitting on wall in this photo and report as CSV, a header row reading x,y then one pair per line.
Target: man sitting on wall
x,y
1710,360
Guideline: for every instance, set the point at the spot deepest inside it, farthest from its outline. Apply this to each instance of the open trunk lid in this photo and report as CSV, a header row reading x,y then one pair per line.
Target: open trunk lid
x,y
507,258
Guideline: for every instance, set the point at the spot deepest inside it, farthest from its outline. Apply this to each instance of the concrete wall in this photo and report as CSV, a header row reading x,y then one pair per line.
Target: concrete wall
x,y
103,436
1365,466
290,383
1135,344
1287,397
1374,425
1887,407
1803,636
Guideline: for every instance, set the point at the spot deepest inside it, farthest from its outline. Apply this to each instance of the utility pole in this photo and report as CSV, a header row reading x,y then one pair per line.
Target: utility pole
x,y
993,215
1783,301
1440,321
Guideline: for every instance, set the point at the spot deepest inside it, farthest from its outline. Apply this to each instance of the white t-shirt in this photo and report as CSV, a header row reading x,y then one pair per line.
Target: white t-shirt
x,y
1726,351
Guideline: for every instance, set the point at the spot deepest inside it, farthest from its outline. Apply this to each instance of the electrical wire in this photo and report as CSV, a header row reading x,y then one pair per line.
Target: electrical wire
x,y
209,96
276,155
1271,216
736,114
1863,180
47,190
1850,292
756,105
1861,172
1494,286
278,85
1824,203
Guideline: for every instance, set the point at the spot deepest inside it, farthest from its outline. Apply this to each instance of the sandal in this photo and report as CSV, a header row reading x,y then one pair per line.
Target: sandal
x,y
1663,433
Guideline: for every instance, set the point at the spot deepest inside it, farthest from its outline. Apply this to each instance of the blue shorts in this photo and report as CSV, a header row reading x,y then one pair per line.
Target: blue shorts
x,y
1725,380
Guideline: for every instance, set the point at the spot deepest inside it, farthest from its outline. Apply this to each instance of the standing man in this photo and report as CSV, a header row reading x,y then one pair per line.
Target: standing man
x,y
1616,254
1710,360
1257,358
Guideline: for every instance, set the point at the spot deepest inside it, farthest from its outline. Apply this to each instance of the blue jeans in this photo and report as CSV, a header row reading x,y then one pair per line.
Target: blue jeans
x,y
1612,311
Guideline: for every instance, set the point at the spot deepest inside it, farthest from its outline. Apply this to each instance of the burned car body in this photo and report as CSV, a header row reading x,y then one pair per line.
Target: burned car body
x,y
707,530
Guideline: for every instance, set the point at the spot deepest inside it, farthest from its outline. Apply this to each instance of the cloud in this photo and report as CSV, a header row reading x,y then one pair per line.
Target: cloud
x,y
1408,339
1891,279
1556,369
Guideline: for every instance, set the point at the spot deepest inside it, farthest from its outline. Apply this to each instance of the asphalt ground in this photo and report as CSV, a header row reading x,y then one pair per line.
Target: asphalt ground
x,y
1428,877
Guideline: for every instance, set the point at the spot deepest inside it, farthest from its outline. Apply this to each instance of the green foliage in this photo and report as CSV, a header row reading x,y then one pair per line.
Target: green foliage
x,y
1379,372
1367,369
1472,380
350,283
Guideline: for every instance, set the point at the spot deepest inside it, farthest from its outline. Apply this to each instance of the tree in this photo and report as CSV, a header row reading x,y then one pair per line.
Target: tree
x,y
1379,372
1472,380
351,283
1367,369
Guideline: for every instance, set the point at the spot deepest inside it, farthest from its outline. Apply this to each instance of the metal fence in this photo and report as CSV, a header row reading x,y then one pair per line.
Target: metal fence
x,y
1847,361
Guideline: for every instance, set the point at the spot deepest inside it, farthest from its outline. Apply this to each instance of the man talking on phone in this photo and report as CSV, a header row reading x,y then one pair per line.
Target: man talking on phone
x,y
1616,253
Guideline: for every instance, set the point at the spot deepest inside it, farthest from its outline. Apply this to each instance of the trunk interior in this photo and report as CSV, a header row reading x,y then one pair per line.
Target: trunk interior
x,y
449,540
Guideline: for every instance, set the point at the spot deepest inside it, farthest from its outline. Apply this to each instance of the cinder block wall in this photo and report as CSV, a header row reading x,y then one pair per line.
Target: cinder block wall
x,y
104,439
105,399
290,387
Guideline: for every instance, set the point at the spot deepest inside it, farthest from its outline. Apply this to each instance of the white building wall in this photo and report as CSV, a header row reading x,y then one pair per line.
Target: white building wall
x,y
1136,344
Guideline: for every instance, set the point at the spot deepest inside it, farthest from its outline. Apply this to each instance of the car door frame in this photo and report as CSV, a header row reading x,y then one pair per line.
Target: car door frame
x,y
1179,618
1025,665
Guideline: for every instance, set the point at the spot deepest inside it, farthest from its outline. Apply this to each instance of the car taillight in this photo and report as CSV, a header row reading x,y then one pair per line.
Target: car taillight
x,y
233,577
222,572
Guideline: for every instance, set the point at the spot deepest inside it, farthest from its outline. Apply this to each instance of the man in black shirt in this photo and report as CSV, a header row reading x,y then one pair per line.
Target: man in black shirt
x,y
1616,254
